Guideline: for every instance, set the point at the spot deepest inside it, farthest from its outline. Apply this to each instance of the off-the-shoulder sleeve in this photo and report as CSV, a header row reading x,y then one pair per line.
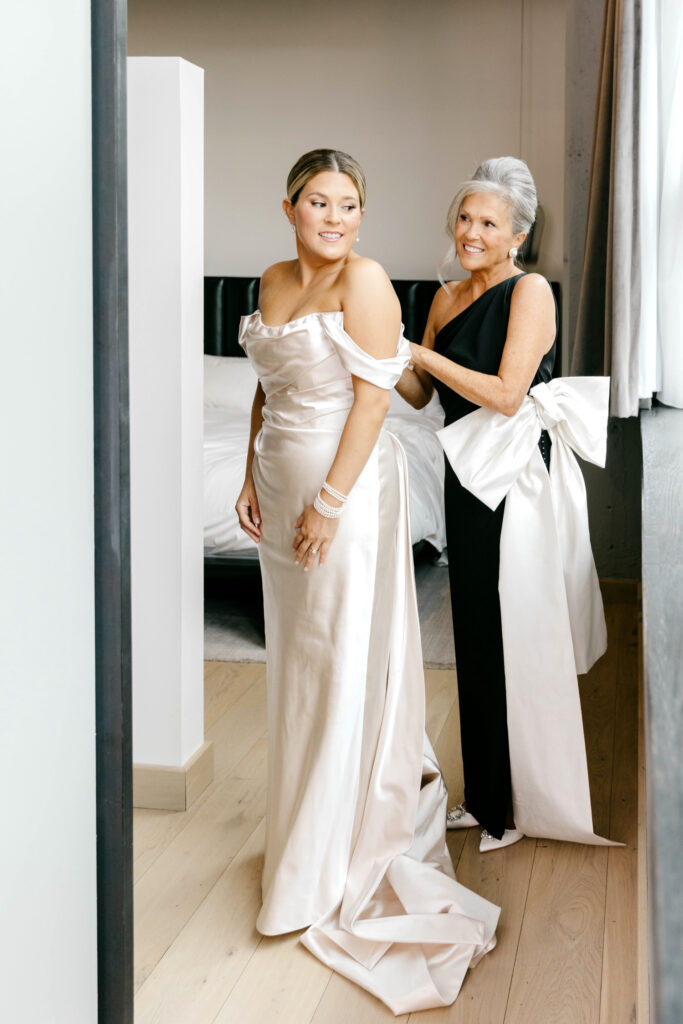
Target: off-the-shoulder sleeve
x,y
384,373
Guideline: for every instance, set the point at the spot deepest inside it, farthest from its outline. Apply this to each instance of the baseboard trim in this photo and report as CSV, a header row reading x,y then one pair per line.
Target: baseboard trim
x,y
619,591
157,787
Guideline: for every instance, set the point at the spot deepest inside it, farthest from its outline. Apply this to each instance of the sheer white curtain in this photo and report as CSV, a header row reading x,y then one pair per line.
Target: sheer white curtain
x,y
669,346
648,158
660,340
630,322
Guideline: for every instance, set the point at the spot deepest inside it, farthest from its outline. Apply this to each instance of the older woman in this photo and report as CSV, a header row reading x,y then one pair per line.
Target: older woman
x,y
489,340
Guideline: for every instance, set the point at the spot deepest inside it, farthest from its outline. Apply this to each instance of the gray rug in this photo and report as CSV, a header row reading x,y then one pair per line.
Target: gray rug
x,y
233,619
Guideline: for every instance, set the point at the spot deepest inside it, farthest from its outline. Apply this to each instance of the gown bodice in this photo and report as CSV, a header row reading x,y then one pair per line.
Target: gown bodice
x,y
305,366
475,338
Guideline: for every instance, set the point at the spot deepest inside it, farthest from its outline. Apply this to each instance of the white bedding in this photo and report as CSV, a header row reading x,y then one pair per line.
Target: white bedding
x,y
226,436
416,430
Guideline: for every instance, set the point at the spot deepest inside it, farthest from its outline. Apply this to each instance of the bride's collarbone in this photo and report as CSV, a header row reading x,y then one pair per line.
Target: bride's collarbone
x,y
284,300
280,311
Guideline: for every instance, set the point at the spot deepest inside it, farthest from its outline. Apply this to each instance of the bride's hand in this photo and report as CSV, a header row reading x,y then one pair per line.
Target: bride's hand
x,y
314,534
248,511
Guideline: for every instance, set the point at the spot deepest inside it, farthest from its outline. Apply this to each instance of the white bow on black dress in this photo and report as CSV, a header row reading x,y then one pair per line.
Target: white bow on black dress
x,y
552,616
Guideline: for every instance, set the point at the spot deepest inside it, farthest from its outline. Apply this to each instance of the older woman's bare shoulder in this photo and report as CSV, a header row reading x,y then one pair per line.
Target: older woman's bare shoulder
x,y
445,303
533,288
533,300
447,294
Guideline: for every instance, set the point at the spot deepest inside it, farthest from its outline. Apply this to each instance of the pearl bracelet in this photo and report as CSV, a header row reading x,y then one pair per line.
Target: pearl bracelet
x,y
328,511
334,494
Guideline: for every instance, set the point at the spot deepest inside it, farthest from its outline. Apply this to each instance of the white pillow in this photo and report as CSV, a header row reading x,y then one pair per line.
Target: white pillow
x,y
229,383
431,411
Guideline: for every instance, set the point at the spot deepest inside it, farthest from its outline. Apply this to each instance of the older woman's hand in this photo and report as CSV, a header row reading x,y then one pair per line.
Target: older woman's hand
x,y
314,534
416,353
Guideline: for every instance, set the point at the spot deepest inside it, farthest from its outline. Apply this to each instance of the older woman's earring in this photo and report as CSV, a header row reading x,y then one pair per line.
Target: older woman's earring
x,y
513,254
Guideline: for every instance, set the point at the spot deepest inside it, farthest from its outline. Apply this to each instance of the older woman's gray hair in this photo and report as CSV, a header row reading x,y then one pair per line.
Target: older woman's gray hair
x,y
503,176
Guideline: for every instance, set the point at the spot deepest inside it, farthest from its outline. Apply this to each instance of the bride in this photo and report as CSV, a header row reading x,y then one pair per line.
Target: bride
x,y
355,818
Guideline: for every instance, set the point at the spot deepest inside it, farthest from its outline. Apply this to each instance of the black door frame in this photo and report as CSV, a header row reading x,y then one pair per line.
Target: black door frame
x,y
112,515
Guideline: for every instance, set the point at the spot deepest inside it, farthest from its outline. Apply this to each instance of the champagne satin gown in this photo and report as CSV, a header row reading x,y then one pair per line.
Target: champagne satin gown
x,y
355,818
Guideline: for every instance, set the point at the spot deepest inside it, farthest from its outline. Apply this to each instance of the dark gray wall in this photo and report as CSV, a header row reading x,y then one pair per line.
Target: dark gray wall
x,y
613,493
614,502
662,431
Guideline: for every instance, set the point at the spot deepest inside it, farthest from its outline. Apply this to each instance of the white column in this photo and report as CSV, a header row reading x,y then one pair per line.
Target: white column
x,y
165,182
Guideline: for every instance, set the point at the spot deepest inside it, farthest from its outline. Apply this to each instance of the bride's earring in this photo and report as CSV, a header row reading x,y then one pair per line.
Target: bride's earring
x,y
513,254
293,226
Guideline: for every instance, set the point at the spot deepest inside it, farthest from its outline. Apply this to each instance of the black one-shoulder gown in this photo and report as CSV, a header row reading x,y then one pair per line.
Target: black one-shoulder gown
x,y
475,339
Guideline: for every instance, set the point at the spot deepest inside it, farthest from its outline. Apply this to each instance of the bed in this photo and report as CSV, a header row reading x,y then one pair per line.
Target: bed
x,y
229,384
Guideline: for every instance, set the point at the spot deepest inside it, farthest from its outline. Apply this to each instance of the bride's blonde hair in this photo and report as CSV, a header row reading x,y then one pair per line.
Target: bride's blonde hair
x,y
310,164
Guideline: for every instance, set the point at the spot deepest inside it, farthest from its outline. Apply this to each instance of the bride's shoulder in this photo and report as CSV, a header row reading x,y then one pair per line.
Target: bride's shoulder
x,y
277,272
273,279
372,312
365,278
362,269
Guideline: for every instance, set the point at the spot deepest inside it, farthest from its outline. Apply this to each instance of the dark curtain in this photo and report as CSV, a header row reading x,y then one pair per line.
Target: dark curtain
x,y
606,339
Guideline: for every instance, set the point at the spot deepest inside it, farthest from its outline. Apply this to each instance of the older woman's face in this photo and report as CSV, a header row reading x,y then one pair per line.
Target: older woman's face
x,y
483,232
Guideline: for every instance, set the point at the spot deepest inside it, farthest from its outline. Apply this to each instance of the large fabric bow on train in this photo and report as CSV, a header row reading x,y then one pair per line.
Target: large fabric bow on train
x,y
551,608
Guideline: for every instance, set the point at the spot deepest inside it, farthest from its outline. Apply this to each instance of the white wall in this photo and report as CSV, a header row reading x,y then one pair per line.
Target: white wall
x,y
419,93
47,677
165,219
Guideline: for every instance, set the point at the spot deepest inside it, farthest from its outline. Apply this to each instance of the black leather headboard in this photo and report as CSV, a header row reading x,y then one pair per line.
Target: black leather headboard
x,y
226,299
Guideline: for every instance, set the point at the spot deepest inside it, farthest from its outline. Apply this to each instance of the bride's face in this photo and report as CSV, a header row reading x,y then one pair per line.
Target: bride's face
x,y
327,215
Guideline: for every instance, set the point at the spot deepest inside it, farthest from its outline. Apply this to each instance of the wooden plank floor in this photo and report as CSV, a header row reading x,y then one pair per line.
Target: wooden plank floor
x,y
568,936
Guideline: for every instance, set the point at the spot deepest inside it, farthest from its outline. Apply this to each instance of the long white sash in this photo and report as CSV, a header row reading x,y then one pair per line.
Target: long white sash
x,y
551,608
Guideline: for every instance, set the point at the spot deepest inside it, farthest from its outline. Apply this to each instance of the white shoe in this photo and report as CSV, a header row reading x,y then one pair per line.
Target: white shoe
x,y
488,843
458,817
